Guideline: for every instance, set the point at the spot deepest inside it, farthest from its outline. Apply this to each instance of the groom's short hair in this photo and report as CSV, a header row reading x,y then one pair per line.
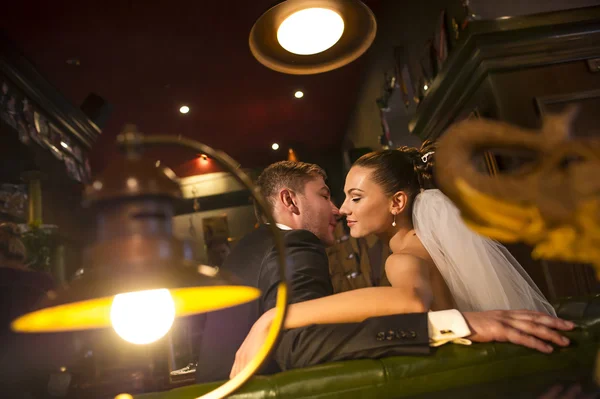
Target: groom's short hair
x,y
285,174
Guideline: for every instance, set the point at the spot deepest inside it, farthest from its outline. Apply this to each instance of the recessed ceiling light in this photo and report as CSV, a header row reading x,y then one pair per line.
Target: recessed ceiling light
x,y
275,146
310,31
298,94
184,109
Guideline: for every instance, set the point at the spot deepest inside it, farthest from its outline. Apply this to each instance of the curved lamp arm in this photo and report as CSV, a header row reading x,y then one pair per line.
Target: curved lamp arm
x,y
133,141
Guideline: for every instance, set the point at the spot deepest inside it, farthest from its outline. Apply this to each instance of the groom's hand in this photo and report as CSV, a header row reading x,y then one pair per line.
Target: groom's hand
x,y
521,327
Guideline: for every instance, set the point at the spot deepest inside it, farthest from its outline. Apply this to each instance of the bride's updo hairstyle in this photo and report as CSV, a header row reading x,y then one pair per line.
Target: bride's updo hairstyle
x,y
405,169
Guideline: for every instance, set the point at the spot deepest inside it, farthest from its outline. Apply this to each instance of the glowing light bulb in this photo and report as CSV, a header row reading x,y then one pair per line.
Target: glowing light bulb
x,y
142,317
298,94
275,146
184,110
425,87
310,31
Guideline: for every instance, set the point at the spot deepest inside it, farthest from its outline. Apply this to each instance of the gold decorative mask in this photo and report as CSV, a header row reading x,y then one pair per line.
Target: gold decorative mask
x,y
551,203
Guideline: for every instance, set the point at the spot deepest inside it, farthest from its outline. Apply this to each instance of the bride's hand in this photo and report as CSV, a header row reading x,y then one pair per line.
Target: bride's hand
x,y
254,340
522,327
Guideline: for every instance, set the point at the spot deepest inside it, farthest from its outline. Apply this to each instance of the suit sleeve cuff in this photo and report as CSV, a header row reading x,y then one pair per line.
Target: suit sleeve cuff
x,y
447,326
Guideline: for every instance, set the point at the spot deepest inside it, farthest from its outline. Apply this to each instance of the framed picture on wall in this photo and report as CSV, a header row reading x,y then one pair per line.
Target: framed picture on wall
x,y
403,77
216,238
215,227
440,42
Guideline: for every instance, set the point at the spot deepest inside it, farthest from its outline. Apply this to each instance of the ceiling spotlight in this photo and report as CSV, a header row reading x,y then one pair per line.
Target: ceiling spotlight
x,y
303,37
184,109
298,94
275,146
310,31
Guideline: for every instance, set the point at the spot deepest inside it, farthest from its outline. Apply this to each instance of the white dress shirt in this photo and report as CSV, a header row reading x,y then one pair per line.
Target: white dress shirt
x,y
282,226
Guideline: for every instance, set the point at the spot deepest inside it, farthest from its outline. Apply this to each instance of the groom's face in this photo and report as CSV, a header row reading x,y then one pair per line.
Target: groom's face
x,y
318,214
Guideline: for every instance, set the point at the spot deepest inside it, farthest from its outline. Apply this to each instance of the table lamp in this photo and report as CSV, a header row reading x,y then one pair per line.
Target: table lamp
x,y
303,37
137,279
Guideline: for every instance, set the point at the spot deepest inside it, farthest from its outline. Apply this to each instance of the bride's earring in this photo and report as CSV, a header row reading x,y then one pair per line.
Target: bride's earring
x,y
394,222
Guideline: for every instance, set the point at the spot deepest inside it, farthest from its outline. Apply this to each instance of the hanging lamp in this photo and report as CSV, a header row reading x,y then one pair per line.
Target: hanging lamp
x,y
303,37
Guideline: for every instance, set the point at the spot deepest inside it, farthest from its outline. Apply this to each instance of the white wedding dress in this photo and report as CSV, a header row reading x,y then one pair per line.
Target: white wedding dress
x,y
480,273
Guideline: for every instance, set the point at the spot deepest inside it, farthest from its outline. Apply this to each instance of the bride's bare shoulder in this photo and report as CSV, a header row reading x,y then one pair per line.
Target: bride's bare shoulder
x,y
410,272
405,260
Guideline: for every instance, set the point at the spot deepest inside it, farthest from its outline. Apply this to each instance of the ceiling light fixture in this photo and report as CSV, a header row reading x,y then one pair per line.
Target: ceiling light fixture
x,y
298,94
275,146
303,37
184,109
310,31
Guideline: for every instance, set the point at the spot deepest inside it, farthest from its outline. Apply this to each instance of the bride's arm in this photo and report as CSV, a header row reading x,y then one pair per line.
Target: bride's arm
x,y
410,293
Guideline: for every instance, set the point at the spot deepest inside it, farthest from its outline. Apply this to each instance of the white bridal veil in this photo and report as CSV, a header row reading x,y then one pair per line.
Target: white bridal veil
x,y
480,273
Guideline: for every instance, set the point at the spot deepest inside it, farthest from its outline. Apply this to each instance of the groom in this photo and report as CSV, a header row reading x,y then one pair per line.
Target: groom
x,y
301,205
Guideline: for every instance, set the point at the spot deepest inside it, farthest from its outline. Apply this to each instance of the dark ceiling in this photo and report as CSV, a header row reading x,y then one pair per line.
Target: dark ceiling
x,y
147,58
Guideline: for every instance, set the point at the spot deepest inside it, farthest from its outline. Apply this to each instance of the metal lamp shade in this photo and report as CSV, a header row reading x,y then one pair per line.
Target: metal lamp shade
x,y
360,28
134,251
86,304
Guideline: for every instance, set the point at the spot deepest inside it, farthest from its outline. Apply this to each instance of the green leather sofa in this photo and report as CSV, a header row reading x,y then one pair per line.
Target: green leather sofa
x,y
484,370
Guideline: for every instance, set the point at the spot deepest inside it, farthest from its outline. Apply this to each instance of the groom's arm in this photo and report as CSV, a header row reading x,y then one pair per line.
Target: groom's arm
x,y
312,345
405,334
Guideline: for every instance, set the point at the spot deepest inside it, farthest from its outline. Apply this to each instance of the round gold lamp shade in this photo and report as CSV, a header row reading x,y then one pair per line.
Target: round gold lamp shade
x,y
303,37
137,278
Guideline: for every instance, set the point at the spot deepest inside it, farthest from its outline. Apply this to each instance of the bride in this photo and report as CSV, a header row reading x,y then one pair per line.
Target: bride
x,y
436,263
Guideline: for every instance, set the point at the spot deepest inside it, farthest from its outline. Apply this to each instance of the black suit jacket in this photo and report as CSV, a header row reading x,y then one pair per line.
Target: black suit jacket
x,y
254,260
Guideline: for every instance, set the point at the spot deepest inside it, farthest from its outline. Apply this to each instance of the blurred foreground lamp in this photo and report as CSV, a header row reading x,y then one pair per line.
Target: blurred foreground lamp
x,y
551,202
137,279
303,37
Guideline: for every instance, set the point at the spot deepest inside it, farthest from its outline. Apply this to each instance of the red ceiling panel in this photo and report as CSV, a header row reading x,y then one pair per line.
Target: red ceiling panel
x,y
146,58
